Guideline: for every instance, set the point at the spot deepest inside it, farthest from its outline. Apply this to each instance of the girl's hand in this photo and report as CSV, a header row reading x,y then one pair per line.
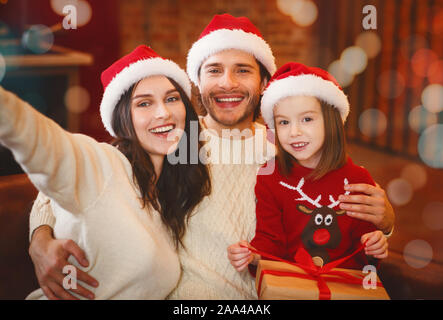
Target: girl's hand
x,y
376,245
240,257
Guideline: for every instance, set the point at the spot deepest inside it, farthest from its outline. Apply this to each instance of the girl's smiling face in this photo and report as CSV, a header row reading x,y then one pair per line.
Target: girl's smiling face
x,y
300,128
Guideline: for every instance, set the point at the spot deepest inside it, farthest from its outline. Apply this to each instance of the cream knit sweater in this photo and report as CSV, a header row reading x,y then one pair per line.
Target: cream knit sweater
x,y
94,202
223,218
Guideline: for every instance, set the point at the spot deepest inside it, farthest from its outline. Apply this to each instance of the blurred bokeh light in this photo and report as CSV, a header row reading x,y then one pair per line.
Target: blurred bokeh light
x,y
354,60
372,122
303,12
417,253
422,60
84,13
38,39
338,71
58,5
285,6
399,191
420,118
370,42
432,98
77,99
430,146
83,8
415,174
306,13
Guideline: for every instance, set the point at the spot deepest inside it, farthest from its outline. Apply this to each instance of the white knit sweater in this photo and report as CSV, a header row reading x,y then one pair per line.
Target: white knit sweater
x,y
225,217
94,202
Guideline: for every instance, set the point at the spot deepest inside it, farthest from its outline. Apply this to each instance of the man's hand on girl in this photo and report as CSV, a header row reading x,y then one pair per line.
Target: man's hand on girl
x,y
372,206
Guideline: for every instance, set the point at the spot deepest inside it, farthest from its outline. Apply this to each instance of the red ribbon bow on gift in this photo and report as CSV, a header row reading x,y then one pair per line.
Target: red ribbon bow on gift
x,y
313,272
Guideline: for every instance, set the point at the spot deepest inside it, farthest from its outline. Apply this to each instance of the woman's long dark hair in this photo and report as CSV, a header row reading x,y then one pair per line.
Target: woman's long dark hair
x,y
180,187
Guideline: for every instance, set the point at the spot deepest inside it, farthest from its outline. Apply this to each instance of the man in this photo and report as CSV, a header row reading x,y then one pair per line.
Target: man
x,y
231,65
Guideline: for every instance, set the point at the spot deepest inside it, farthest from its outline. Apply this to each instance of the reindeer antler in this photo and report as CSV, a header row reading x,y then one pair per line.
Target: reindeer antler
x,y
303,195
336,202
316,201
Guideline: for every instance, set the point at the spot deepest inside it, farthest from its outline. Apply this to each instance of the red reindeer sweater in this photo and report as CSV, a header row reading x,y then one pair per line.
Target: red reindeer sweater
x,y
294,212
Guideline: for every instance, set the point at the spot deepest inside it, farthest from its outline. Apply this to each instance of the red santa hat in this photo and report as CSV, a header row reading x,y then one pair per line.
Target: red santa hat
x,y
296,79
228,32
135,66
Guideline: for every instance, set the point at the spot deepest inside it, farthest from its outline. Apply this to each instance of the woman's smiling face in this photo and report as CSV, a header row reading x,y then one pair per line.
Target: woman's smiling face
x,y
158,115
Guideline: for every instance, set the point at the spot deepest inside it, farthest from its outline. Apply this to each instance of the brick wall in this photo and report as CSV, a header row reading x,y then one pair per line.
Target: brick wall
x,y
171,26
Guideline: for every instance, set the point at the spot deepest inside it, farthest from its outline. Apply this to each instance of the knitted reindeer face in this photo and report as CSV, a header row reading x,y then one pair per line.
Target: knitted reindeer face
x,y
322,231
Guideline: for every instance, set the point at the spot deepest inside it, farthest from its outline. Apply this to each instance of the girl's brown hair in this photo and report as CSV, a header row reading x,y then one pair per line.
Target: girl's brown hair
x,y
333,150
180,187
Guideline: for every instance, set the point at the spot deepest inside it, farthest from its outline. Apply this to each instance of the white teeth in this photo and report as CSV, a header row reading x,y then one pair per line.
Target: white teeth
x,y
162,129
229,99
299,145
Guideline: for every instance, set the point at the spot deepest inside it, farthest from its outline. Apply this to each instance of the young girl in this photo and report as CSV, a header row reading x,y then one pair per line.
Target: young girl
x,y
124,205
297,205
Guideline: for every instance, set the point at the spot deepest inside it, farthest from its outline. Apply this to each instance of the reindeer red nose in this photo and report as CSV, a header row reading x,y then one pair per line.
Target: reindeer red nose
x,y
321,236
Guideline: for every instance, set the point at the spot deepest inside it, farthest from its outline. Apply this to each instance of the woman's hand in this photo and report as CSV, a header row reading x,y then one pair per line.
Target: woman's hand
x,y
372,206
240,257
50,256
376,244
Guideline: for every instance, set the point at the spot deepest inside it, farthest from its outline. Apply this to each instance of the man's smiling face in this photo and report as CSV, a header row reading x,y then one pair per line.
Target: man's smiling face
x,y
230,86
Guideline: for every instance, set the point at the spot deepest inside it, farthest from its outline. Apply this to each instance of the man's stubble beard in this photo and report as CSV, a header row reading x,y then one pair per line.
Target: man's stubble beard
x,y
253,101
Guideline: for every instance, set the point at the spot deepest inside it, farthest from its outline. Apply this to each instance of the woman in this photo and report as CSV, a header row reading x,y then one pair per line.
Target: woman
x,y
123,204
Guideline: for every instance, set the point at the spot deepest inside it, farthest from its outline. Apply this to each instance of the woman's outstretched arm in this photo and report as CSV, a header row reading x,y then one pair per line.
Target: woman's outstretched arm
x,y
72,169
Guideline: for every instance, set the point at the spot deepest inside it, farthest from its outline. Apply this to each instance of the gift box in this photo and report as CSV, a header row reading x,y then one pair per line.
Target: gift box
x,y
276,280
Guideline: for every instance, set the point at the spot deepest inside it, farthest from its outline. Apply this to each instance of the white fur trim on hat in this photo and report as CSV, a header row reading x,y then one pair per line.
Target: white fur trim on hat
x,y
224,39
134,73
303,85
